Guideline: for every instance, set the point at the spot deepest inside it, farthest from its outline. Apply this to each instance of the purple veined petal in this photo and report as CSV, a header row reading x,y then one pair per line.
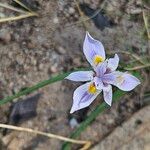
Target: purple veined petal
x,y
98,83
101,69
109,78
125,81
82,98
81,76
107,93
91,48
113,62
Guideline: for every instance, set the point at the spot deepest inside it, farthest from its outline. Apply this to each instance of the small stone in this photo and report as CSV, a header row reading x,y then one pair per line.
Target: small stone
x,y
61,50
73,123
71,10
5,37
135,11
10,54
11,85
16,37
53,69
24,110
77,61
20,59
56,20
41,66
31,45
33,61
139,2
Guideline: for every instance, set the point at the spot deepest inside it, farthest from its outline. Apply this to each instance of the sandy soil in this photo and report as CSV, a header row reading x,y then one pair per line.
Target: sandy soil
x,y
37,48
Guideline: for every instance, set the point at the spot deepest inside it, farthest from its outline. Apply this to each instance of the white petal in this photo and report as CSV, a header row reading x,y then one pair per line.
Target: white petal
x,y
113,62
81,76
98,83
81,97
92,47
101,69
125,81
107,91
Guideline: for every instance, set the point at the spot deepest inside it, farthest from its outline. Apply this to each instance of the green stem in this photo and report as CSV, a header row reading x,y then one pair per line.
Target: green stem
x,y
99,109
39,85
34,88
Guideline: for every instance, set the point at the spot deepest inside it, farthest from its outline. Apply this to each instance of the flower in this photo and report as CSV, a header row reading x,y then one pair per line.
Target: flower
x,y
93,50
106,76
101,79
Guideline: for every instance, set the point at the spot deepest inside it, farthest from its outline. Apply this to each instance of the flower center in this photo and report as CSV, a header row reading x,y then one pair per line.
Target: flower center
x,y
92,89
98,59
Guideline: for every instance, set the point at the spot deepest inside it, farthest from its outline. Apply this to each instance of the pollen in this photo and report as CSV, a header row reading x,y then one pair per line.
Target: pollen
x,y
98,59
92,89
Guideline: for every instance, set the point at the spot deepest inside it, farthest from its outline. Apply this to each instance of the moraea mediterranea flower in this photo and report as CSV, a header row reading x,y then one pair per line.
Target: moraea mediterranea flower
x,y
103,76
93,50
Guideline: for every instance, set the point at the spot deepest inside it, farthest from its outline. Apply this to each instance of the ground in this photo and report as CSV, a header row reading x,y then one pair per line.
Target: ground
x,y
37,48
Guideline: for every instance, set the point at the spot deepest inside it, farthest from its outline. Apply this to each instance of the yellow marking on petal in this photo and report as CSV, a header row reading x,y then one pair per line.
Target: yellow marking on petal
x,y
98,59
92,89
120,79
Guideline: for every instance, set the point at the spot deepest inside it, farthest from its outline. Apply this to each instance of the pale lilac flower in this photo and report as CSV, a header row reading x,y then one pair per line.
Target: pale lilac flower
x,y
101,79
106,76
93,50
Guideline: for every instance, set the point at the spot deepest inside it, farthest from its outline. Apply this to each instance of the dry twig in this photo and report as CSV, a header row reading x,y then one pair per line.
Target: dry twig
x,y
17,17
86,144
130,54
138,67
146,24
24,14
12,8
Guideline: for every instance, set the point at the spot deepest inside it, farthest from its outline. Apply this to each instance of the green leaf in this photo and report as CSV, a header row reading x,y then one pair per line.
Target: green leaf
x,y
38,86
33,88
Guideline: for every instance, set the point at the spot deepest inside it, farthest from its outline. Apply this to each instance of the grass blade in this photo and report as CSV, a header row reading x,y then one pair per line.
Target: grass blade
x,y
38,86
99,109
34,88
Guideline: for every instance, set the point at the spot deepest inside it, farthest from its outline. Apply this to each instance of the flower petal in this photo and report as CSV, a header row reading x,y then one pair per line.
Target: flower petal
x,y
108,78
125,81
107,91
113,62
91,48
82,98
98,83
101,69
81,76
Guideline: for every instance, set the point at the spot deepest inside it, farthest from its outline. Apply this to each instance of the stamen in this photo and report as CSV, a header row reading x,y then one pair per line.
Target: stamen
x,y
92,89
98,59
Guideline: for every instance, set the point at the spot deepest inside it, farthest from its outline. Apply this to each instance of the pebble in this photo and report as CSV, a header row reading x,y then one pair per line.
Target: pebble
x,y
77,61
73,123
71,10
53,69
5,36
20,59
33,61
61,50
135,11
41,66
56,20
10,54
31,45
